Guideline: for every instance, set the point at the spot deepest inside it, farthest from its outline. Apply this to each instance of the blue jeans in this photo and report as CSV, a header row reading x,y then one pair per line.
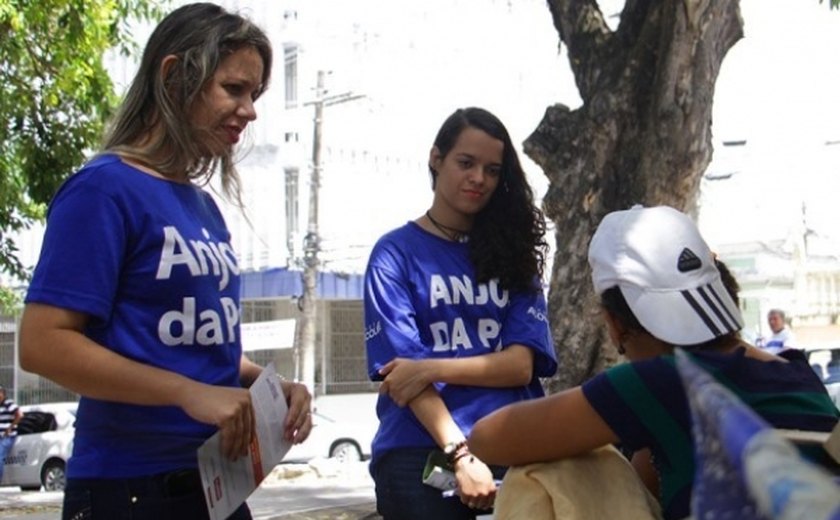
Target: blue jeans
x,y
6,444
172,496
401,494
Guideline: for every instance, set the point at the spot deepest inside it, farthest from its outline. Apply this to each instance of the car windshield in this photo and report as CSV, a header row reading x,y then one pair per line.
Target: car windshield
x,y
36,422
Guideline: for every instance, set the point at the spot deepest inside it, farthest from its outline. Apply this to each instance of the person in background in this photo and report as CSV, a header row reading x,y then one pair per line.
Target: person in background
x,y
10,416
660,289
455,319
782,337
134,302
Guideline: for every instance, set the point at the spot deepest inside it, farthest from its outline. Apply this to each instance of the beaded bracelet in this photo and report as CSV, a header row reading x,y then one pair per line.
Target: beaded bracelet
x,y
460,455
455,452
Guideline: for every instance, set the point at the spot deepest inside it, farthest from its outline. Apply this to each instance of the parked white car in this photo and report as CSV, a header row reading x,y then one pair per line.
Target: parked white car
x,y
44,443
343,428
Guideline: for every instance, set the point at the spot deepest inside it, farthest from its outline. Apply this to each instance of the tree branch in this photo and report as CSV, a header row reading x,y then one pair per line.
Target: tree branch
x,y
582,28
634,17
699,35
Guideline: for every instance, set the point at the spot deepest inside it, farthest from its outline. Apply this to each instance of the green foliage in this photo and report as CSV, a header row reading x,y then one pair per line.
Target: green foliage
x,y
835,4
10,301
55,95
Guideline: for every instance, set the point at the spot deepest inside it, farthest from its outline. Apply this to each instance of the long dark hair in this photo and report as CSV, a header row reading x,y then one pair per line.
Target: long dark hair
x,y
507,238
200,35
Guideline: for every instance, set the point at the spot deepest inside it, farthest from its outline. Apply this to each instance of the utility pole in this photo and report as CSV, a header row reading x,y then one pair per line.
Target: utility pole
x,y
305,349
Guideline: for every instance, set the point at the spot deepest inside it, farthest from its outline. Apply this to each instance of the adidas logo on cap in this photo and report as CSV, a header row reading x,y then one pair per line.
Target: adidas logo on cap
x,y
688,261
635,250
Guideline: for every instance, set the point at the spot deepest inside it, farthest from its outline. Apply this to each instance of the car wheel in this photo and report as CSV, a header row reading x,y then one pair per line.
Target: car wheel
x,y
52,475
345,451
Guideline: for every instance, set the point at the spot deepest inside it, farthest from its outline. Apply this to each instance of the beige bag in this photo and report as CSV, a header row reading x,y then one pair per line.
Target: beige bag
x,y
601,484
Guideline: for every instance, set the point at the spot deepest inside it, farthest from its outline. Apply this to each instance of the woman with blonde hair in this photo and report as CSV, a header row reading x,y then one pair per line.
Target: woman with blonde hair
x,y
134,303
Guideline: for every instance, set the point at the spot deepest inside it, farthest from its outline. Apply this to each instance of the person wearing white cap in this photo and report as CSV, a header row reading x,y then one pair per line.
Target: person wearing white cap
x,y
659,290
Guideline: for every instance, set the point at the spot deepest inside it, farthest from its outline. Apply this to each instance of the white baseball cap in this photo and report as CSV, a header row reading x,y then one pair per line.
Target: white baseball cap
x,y
666,272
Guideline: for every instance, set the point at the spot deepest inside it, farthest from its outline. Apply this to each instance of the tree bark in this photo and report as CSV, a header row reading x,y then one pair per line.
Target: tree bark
x,y
642,136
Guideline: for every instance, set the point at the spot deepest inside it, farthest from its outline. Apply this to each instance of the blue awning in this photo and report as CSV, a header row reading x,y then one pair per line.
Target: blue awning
x,y
283,282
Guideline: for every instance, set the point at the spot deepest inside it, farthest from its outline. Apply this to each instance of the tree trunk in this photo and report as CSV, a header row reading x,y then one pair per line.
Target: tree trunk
x,y
642,136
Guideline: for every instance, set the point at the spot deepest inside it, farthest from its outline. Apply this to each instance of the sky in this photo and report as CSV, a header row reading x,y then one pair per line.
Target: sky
x,y
780,82
778,90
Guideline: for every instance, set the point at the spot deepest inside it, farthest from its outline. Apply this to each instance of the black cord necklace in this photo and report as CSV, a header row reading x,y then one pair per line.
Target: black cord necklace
x,y
454,234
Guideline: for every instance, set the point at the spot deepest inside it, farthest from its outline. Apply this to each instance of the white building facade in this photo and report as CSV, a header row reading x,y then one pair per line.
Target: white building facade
x,y
413,63
405,67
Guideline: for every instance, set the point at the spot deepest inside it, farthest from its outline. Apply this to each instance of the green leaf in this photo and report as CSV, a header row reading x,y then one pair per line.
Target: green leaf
x,y
10,301
55,95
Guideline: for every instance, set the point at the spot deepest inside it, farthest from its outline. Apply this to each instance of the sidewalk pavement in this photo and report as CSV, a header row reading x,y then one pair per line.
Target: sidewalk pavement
x,y
338,491
365,511
11,499
50,504
319,490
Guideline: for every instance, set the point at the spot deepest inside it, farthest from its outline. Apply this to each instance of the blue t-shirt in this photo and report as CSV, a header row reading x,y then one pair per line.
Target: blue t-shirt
x,y
645,404
422,301
150,262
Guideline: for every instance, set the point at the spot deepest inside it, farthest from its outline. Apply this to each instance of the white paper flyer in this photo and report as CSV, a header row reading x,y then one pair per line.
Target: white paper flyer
x,y
227,484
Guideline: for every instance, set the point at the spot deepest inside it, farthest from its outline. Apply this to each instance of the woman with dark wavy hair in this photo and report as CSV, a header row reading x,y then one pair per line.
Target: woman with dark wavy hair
x,y
134,303
455,320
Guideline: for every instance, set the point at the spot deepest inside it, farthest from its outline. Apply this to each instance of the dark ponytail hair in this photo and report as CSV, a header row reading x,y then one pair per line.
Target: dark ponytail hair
x,y
616,305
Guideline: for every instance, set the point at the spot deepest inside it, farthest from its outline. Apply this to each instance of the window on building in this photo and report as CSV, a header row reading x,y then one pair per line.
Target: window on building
x,y
290,54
